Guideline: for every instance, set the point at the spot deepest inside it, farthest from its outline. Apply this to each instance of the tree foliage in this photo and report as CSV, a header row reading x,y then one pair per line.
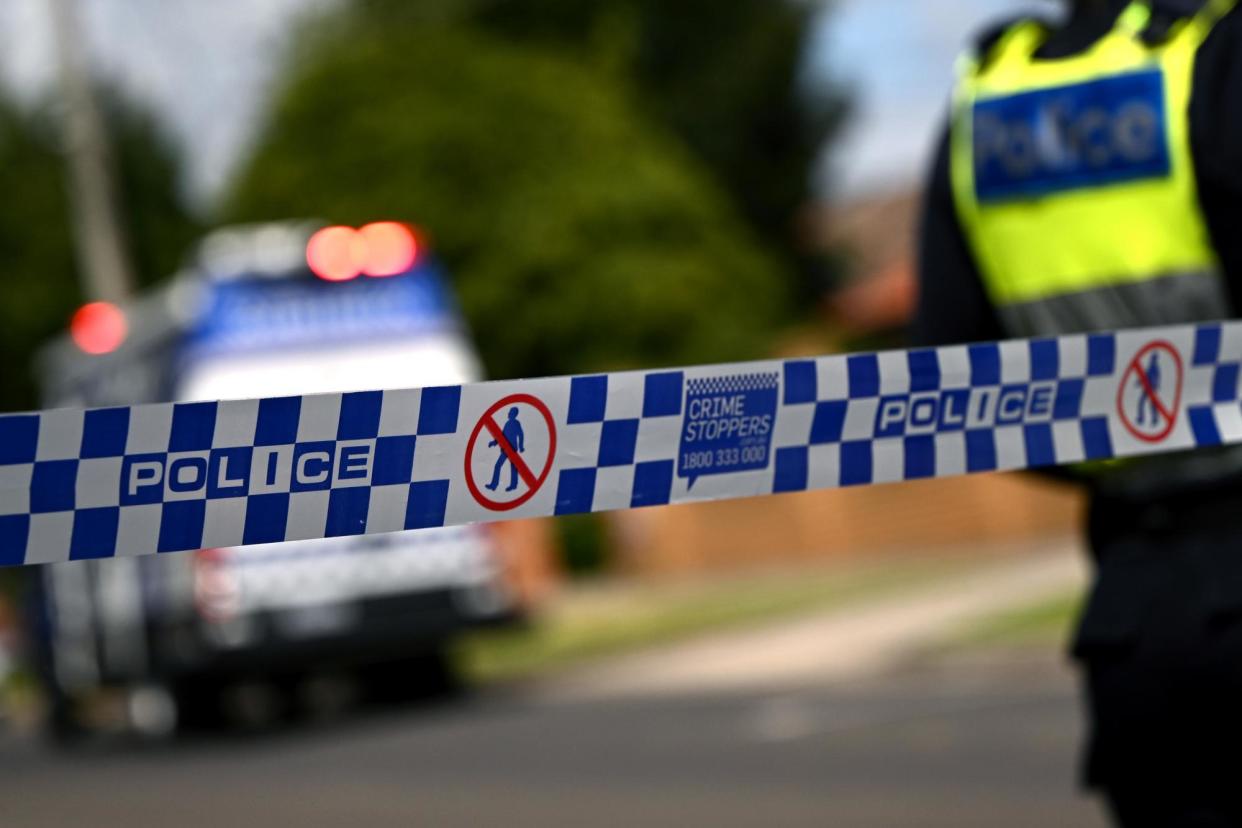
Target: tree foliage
x,y
724,77
39,287
580,235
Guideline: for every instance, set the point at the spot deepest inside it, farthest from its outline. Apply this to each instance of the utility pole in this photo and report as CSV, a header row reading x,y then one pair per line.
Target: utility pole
x,y
103,261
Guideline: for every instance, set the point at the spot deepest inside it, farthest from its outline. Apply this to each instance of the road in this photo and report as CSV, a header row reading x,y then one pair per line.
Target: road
x,y
958,745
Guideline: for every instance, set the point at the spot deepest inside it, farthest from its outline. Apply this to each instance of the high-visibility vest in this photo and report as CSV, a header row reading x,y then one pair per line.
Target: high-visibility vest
x,y
1074,181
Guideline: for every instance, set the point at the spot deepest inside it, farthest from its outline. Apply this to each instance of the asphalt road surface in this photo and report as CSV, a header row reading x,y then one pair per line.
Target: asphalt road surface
x,y
923,747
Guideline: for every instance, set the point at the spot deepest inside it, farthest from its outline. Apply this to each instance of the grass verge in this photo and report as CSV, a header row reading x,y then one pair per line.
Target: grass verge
x,y
593,621
1046,623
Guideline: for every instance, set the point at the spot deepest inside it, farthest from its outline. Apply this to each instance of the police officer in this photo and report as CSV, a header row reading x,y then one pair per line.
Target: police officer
x,y
1091,179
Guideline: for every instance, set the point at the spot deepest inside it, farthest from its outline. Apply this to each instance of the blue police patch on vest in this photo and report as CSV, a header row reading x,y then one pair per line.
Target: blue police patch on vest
x,y
1092,134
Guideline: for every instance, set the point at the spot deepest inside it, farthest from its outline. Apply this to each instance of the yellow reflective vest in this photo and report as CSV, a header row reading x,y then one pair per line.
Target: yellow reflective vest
x,y
1074,181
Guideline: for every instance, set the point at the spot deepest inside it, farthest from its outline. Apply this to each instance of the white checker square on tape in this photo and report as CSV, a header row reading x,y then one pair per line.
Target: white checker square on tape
x,y
50,535
308,515
387,509
15,488
823,465
832,378
578,445
138,530
954,366
236,422
894,372
224,522
1010,447
60,434
1015,357
319,418
950,453
614,487
658,439
150,427
888,460
98,482
860,419
625,397
1067,441
1072,355
399,413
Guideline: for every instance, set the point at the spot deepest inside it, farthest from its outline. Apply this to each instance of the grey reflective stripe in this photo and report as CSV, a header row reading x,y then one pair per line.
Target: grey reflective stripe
x,y
1165,300
1175,298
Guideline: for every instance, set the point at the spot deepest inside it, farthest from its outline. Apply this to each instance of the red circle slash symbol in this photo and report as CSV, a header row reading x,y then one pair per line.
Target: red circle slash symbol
x,y
509,452
1147,402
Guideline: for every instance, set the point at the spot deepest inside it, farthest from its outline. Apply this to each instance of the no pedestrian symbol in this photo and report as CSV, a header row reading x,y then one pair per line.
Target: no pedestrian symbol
x,y
510,452
1151,392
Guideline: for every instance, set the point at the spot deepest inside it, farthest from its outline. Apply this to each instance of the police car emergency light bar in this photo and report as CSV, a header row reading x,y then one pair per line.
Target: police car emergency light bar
x,y
165,478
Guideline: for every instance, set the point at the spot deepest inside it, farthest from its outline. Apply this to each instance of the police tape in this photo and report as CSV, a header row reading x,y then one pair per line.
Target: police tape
x,y
145,479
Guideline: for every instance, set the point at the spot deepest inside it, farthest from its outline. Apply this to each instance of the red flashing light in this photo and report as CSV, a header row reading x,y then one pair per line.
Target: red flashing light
x,y
391,248
98,327
383,248
336,254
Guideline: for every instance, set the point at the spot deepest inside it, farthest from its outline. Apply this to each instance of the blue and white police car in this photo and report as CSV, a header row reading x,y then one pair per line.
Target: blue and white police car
x,y
267,311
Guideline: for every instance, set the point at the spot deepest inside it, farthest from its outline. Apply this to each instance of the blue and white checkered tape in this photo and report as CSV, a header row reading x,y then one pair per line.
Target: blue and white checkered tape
x,y
145,479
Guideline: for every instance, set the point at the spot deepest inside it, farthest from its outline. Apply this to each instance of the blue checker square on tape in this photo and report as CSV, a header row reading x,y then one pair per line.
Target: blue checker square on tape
x,y
438,410
228,473
1040,449
266,518
424,509
193,426
1101,354
985,364
863,371
1207,345
588,397
314,464
1045,359
14,534
394,461
1225,383
52,486
920,457
1069,399
653,483
277,424
19,438
105,432
1096,442
1203,426
360,415
792,469
800,383
94,533
856,463
662,394
828,422
980,450
347,512
575,491
924,368
181,526
617,440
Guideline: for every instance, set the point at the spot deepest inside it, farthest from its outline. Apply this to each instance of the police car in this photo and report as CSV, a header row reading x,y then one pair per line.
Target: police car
x,y
270,311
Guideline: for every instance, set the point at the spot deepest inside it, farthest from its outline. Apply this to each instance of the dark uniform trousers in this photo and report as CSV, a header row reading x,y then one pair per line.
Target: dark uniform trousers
x,y
1161,643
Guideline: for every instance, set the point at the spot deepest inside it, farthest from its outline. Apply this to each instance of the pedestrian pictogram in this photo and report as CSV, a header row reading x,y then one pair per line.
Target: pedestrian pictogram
x,y
1151,392
510,452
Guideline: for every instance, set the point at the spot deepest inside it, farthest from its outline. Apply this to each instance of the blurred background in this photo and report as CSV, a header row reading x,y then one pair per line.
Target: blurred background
x,y
564,187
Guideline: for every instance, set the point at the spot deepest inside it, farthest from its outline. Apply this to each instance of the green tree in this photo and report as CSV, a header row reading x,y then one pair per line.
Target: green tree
x,y
39,288
726,78
580,235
